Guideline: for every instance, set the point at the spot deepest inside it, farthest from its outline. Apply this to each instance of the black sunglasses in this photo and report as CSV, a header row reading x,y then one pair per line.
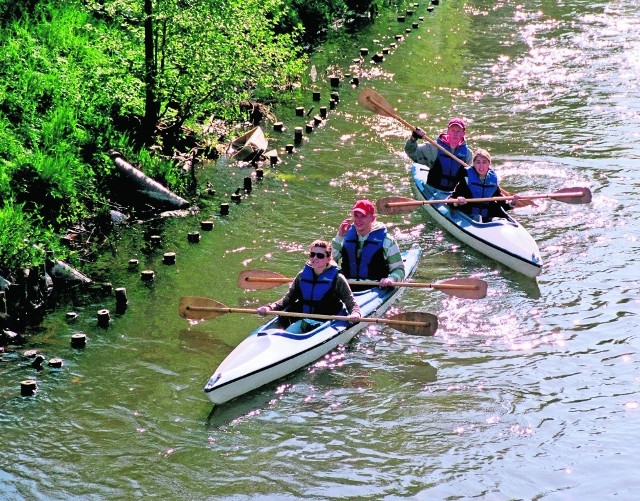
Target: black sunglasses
x,y
319,255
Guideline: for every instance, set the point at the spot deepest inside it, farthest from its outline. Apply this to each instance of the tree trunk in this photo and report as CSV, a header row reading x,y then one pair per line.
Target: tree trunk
x,y
151,107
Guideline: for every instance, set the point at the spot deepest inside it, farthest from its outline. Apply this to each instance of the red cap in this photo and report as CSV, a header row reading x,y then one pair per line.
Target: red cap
x,y
364,207
459,122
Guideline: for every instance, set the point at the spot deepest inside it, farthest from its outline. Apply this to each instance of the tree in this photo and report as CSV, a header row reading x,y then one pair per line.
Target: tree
x,y
150,104
202,57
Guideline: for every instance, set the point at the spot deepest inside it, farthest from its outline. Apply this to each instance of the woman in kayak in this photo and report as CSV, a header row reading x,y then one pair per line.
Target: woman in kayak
x,y
444,171
319,288
481,182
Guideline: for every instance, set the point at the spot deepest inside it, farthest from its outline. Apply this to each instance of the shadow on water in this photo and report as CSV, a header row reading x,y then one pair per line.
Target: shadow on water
x,y
418,371
203,342
518,282
241,408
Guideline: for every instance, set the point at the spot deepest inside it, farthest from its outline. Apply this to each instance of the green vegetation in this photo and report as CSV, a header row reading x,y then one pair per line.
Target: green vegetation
x,y
81,77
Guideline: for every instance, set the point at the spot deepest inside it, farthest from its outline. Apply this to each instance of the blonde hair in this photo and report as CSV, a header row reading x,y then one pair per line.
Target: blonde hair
x,y
481,152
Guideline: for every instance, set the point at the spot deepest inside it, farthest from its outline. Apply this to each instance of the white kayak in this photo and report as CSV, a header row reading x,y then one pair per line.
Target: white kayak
x,y
502,239
270,353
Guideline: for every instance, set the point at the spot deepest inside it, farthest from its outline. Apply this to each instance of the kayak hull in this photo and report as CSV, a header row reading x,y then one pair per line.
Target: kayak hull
x,y
270,353
503,239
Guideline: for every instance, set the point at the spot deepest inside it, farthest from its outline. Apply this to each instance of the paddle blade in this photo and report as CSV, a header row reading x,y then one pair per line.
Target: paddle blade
x,y
466,288
383,207
428,323
370,99
198,308
260,279
577,195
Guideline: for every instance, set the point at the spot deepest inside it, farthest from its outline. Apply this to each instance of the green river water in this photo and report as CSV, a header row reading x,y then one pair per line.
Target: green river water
x,y
530,393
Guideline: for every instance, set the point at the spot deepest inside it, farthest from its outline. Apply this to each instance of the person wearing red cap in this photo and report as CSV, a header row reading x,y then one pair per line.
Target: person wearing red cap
x,y
365,249
319,288
444,171
481,182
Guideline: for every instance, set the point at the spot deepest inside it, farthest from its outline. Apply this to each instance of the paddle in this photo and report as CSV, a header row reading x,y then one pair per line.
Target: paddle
x,y
370,99
402,205
415,323
468,288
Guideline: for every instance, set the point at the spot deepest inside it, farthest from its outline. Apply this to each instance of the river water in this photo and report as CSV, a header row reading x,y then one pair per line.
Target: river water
x,y
530,393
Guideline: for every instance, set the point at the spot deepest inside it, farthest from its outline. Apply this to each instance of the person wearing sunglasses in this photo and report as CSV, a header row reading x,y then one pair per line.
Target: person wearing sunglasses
x,y
319,288
365,249
444,171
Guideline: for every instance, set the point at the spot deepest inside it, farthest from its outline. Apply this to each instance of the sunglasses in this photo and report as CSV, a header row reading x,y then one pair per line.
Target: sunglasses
x,y
319,255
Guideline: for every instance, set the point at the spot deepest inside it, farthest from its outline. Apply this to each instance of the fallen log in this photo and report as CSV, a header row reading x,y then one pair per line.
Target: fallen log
x,y
147,186
62,272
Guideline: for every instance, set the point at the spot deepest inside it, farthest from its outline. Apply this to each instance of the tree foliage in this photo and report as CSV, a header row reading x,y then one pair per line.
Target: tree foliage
x,y
207,55
80,77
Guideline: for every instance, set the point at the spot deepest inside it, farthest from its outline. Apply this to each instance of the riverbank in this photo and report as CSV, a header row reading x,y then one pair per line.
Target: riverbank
x,y
27,295
82,78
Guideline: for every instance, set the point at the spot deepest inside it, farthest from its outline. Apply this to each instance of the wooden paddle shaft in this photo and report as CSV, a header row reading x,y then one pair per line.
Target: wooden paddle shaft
x,y
375,102
387,321
571,194
426,138
371,283
418,285
380,105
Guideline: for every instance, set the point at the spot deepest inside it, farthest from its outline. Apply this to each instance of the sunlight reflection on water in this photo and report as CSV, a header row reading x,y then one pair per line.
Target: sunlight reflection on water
x,y
521,395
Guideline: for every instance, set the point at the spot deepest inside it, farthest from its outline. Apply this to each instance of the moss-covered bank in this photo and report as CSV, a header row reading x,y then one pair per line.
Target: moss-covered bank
x,y
157,81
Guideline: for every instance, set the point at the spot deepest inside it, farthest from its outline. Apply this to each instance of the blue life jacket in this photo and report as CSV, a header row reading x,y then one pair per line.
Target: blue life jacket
x,y
481,189
448,165
371,265
318,291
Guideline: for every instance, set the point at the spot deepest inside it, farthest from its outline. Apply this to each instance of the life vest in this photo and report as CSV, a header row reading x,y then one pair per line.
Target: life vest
x,y
317,291
448,166
371,265
481,189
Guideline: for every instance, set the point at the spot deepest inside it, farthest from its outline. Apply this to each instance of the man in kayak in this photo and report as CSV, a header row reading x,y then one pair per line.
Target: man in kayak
x,y
444,171
319,288
365,249
481,182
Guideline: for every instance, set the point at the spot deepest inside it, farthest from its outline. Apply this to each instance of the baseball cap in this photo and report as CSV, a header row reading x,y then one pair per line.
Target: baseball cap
x,y
364,207
458,121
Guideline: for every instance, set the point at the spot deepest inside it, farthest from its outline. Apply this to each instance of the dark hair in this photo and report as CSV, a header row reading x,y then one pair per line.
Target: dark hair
x,y
321,243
